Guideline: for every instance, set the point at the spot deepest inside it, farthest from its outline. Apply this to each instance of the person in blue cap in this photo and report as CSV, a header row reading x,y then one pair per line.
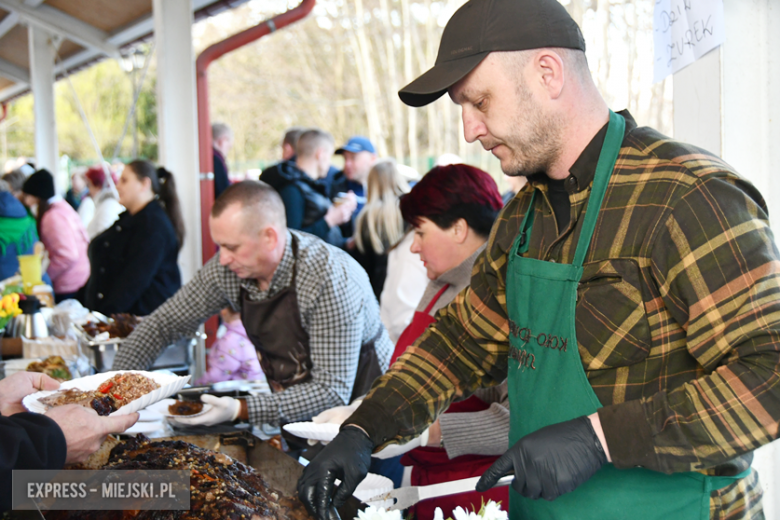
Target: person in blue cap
x,y
359,156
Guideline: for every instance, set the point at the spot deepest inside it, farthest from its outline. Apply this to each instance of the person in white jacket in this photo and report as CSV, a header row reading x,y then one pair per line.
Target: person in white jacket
x,y
404,287
107,206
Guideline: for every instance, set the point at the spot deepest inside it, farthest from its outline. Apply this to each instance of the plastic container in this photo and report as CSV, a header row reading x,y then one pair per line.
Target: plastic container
x,y
30,268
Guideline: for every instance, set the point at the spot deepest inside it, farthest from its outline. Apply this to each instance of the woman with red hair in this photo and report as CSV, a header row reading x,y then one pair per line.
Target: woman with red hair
x,y
107,206
452,210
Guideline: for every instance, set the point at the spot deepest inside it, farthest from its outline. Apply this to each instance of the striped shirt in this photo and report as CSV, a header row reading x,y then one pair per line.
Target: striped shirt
x,y
677,316
338,311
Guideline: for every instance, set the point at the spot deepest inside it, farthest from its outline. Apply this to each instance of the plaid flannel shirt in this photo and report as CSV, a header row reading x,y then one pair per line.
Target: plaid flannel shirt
x,y
338,311
677,318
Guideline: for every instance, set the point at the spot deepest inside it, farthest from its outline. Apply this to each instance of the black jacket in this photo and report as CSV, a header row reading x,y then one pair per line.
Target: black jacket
x,y
133,264
29,441
305,200
221,179
338,184
375,264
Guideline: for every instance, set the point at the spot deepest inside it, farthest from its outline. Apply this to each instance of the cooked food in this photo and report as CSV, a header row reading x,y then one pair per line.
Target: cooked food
x,y
110,396
220,487
185,408
121,326
53,366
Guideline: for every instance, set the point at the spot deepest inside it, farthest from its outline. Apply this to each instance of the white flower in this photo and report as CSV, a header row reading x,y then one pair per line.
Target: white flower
x,y
438,514
492,511
373,513
460,514
489,511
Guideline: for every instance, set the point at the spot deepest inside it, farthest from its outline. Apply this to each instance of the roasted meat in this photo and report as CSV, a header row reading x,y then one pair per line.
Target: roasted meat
x,y
221,488
185,408
121,326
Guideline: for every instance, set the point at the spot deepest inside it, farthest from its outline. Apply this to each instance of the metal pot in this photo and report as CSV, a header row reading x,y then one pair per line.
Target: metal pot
x,y
30,324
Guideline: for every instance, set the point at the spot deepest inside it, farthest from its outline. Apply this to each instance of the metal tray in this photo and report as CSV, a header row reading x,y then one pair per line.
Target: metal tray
x,y
176,357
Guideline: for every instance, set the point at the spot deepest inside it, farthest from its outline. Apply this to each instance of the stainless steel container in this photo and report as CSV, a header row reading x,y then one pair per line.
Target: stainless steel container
x,y
30,324
176,357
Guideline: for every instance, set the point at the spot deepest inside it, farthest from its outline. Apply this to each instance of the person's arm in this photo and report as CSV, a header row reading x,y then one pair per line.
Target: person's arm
x,y
476,433
465,348
57,236
30,441
717,269
335,337
294,205
209,291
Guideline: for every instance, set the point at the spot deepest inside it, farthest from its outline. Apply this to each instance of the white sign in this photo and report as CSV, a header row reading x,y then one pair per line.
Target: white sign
x,y
684,31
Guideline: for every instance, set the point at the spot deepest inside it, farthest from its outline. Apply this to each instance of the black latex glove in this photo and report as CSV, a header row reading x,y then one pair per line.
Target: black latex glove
x,y
551,461
347,458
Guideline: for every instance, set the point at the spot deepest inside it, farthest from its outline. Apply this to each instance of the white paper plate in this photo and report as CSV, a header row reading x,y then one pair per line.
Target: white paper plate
x,y
317,432
169,385
147,415
206,408
145,427
372,486
161,407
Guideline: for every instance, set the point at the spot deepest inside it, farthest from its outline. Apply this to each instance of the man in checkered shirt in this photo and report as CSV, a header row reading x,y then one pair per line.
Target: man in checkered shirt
x,y
308,308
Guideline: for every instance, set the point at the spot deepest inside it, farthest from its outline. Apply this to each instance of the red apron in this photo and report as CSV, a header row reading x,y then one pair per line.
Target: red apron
x,y
432,465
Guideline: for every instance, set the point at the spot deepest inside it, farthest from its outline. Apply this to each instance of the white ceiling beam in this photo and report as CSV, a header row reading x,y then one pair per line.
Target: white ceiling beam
x,y
14,72
129,33
57,22
13,90
10,21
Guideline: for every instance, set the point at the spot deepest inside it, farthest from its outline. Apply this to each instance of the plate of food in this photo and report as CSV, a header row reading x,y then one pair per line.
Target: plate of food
x,y
314,431
120,392
173,408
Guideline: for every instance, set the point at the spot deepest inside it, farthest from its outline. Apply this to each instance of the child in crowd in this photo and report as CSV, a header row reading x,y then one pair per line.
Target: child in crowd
x,y
233,356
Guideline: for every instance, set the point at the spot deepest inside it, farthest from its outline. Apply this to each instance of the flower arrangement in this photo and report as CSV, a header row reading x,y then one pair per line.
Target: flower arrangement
x,y
9,307
378,513
489,511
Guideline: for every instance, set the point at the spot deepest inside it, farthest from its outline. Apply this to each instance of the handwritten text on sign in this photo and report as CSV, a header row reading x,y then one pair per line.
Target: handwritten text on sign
x,y
684,31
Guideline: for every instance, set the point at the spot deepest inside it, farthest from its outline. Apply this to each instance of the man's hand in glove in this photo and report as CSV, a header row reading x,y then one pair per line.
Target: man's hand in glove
x,y
223,409
347,458
551,461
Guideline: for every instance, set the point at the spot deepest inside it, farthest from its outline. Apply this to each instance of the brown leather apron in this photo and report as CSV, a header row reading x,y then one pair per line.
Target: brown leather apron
x,y
274,327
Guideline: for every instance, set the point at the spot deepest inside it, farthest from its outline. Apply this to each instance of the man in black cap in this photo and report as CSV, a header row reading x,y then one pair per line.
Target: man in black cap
x,y
629,294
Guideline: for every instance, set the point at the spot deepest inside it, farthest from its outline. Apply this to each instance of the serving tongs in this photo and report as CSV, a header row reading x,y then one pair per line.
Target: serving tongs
x,y
406,497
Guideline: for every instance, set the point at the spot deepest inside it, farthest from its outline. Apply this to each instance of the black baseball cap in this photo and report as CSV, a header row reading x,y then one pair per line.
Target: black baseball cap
x,y
480,27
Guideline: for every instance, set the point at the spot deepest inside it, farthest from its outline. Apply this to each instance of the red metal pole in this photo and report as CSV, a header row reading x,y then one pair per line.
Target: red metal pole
x,y
209,55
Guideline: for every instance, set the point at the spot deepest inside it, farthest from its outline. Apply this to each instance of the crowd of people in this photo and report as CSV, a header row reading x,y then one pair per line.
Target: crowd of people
x,y
307,252
110,243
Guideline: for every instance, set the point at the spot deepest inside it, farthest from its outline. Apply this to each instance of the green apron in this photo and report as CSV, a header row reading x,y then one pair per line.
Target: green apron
x,y
548,385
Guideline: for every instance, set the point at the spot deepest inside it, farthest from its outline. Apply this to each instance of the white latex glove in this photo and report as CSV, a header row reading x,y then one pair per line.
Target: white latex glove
x,y
393,450
223,409
338,414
